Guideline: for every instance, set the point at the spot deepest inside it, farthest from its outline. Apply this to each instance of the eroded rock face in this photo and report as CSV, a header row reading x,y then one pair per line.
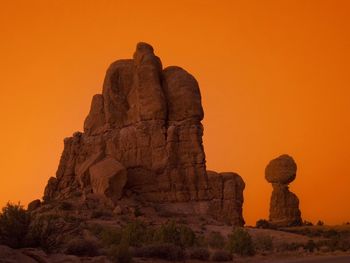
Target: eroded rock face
x,y
108,178
148,120
284,205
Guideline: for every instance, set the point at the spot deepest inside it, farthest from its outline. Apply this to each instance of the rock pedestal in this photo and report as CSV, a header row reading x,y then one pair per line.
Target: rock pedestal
x,y
143,139
284,205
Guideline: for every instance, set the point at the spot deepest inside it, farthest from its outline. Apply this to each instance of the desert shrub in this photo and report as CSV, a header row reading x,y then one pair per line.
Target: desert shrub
x,y
179,235
187,236
310,246
169,252
216,240
221,256
110,236
293,246
320,223
48,231
240,242
263,243
120,253
82,247
262,223
199,254
64,205
336,243
14,225
307,223
200,241
331,233
136,234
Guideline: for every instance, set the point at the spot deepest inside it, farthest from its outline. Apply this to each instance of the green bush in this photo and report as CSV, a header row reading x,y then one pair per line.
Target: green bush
x,y
137,234
221,256
187,236
82,247
200,241
199,254
14,225
264,243
240,242
179,235
110,236
216,240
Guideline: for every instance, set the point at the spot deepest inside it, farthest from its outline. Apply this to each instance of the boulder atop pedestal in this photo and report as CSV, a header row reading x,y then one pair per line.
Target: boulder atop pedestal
x,y
284,205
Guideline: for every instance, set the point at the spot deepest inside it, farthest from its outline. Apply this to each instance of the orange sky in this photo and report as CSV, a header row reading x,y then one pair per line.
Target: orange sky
x,y
274,77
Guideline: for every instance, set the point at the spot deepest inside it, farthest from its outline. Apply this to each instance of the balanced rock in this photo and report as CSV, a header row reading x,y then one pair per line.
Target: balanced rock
x,y
284,205
143,137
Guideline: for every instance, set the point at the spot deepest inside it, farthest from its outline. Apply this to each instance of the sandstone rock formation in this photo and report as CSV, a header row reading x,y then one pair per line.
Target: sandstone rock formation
x,y
284,205
143,140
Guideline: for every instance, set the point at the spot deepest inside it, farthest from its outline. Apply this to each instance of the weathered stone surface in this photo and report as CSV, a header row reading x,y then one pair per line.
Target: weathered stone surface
x,y
284,205
147,119
95,121
50,189
226,190
183,95
108,178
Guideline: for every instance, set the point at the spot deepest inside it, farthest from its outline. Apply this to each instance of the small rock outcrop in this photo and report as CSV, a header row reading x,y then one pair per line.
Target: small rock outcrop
x,y
35,204
142,140
284,205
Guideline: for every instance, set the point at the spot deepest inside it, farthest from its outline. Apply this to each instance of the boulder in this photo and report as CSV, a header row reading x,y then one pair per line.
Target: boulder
x,y
281,170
